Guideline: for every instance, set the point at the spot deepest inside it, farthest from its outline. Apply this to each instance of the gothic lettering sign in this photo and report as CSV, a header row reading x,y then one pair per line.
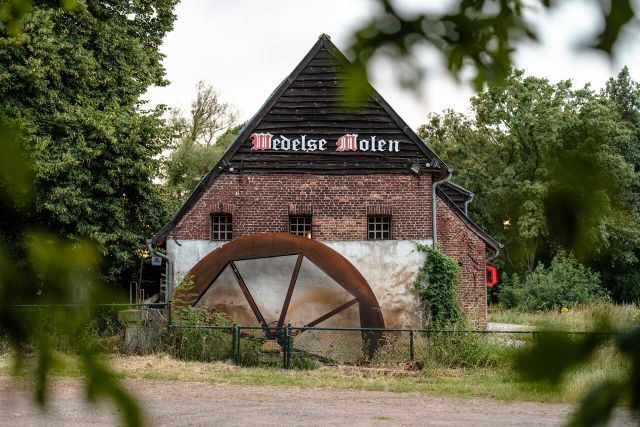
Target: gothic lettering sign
x,y
348,142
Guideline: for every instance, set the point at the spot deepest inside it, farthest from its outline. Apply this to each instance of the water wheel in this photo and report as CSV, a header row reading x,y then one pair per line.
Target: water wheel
x,y
275,245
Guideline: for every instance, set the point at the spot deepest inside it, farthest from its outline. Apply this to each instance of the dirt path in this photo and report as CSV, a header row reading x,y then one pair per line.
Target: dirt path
x,y
178,403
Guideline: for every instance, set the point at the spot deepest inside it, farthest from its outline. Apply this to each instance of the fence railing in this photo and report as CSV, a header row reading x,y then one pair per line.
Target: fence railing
x,y
305,347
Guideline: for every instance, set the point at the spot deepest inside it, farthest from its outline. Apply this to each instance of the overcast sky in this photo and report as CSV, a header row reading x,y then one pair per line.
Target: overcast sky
x,y
245,48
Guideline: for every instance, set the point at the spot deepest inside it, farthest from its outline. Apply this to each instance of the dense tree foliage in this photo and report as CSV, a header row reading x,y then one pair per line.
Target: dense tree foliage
x,y
553,168
199,142
72,81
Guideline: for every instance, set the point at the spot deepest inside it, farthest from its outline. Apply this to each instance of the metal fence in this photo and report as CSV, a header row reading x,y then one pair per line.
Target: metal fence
x,y
296,347
306,348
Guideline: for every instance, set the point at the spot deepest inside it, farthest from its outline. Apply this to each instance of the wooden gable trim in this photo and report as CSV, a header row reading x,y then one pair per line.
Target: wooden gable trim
x,y
493,244
234,146
221,166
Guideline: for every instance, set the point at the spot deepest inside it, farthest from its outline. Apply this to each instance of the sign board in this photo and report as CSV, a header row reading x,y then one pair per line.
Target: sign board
x,y
156,261
492,275
348,142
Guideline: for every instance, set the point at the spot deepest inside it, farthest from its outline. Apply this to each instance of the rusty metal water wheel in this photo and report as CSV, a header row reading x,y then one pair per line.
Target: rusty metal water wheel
x,y
272,245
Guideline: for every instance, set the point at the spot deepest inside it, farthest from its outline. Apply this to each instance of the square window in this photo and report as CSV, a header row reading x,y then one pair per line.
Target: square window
x,y
379,227
300,225
221,227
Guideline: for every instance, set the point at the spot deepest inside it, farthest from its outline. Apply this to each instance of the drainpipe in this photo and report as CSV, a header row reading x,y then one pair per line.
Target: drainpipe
x,y
494,255
433,204
466,204
169,291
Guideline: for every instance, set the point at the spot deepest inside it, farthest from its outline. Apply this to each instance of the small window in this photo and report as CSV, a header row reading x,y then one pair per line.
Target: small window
x,y
221,227
379,227
300,225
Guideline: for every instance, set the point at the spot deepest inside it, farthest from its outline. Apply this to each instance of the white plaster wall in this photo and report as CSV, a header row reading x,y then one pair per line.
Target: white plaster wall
x,y
389,266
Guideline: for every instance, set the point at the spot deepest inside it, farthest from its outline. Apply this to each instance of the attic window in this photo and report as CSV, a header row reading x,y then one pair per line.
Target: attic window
x,y
221,227
300,225
379,227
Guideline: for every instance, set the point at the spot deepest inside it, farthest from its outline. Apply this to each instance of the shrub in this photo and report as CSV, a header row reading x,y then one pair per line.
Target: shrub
x,y
565,283
200,344
511,294
303,362
436,286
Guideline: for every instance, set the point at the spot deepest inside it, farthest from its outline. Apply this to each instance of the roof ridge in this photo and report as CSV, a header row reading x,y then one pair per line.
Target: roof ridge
x,y
324,40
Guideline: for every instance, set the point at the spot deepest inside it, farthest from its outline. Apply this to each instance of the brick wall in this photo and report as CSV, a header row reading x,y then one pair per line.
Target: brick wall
x,y
340,205
459,242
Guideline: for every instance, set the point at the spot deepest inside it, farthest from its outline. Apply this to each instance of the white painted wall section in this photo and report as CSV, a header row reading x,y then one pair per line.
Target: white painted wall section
x,y
389,266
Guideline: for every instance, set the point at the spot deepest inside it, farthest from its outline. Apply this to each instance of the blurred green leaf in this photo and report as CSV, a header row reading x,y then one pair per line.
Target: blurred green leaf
x,y
619,14
101,381
596,408
555,353
629,344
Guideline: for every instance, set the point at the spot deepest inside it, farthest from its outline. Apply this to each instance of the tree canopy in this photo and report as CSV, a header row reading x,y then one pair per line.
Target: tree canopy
x,y
199,140
72,81
553,167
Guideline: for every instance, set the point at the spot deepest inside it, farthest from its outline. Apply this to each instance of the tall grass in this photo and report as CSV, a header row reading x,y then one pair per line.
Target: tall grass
x,y
580,318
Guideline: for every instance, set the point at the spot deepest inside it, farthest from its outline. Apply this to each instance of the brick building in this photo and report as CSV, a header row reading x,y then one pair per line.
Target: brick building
x,y
357,179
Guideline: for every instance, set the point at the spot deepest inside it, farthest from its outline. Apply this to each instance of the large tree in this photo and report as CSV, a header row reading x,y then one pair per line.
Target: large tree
x,y
553,167
72,81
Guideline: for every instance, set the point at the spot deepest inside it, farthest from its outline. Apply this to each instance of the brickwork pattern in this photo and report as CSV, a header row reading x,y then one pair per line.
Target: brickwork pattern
x,y
340,203
462,244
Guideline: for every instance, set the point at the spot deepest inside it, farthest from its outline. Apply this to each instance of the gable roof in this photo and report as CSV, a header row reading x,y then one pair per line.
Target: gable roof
x,y
308,102
458,194
490,241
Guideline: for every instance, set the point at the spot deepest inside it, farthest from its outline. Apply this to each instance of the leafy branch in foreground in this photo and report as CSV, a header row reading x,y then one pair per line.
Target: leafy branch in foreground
x,y
555,355
476,35
39,267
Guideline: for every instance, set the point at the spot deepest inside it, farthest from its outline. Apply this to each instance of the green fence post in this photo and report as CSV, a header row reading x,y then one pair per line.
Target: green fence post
x,y
169,314
289,345
238,330
285,346
234,331
411,353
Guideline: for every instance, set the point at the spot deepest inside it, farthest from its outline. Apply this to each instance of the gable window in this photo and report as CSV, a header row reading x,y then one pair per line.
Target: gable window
x,y
300,225
221,227
379,227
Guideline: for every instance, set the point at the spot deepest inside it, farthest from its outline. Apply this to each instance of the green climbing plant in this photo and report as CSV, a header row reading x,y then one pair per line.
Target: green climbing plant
x,y
436,287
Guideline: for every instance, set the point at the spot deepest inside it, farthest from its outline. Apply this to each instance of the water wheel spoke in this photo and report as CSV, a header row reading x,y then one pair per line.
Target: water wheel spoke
x,y
247,295
331,313
292,284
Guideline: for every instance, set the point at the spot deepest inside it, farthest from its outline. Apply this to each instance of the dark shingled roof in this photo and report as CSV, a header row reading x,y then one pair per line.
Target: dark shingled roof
x,y
324,57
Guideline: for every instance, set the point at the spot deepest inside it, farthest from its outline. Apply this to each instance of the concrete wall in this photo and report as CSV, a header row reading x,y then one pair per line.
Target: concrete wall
x,y
389,266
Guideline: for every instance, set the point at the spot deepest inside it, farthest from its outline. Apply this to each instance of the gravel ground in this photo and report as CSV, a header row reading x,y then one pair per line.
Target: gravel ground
x,y
179,403
508,327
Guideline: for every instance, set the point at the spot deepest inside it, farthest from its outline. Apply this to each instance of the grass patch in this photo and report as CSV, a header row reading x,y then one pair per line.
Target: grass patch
x,y
497,382
580,318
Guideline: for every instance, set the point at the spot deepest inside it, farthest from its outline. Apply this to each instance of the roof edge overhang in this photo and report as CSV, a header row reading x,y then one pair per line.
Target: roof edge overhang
x,y
323,41
490,241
